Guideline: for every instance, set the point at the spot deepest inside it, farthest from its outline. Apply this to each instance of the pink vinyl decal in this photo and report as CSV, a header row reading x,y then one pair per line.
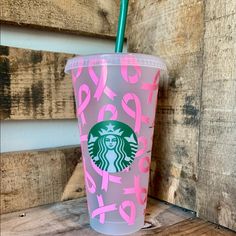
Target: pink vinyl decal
x,y
129,218
82,104
79,68
108,107
143,141
140,192
151,87
100,82
106,177
144,164
127,169
130,61
101,210
137,114
90,183
83,137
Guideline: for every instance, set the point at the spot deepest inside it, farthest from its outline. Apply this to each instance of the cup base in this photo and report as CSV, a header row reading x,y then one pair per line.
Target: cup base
x,y
117,228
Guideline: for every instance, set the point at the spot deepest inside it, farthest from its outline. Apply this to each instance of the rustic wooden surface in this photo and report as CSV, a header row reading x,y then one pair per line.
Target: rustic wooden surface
x,y
216,187
96,18
35,178
33,85
71,218
194,151
174,31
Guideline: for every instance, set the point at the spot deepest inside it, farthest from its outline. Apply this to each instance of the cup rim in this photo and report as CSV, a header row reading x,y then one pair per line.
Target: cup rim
x,y
112,59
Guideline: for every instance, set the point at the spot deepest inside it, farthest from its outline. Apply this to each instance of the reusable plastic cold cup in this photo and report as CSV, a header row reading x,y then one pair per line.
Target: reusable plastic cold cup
x,y
116,97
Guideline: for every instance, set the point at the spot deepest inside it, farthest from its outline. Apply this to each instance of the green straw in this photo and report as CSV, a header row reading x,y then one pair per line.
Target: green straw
x,y
121,25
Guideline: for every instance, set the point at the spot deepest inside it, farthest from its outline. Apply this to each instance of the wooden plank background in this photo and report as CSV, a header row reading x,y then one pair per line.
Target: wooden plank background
x,y
95,18
35,178
165,28
34,86
194,150
216,186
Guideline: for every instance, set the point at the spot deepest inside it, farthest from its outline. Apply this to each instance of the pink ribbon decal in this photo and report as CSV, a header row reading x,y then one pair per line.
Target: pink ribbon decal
x,y
90,184
130,219
141,193
151,87
101,210
137,114
144,164
142,140
83,137
79,69
100,82
125,61
109,107
106,177
83,103
127,169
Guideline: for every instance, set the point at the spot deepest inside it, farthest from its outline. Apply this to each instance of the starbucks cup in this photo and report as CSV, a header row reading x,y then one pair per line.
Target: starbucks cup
x,y
116,98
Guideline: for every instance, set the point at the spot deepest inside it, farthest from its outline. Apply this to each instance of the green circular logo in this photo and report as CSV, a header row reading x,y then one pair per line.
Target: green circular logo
x,y
112,145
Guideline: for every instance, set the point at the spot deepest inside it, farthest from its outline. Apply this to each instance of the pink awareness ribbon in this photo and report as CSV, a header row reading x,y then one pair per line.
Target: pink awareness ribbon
x,y
108,107
79,67
140,192
142,140
100,82
82,104
151,87
130,60
106,177
127,169
101,210
130,219
83,137
144,164
137,114
90,184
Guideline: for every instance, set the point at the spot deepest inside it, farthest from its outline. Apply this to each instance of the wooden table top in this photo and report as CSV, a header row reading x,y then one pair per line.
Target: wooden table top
x,y
70,218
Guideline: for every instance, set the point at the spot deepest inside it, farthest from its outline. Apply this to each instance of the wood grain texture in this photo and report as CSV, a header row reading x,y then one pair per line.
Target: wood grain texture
x,y
194,151
71,218
173,30
35,178
73,187
86,17
216,187
34,86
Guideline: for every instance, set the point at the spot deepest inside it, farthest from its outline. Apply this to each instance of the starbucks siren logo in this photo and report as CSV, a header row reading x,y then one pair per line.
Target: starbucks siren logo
x,y
112,145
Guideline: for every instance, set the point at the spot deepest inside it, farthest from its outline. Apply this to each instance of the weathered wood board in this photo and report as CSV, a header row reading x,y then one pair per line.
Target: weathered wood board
x,y
35,178
96,18
71,218
194,150
173,30
33,85
216,187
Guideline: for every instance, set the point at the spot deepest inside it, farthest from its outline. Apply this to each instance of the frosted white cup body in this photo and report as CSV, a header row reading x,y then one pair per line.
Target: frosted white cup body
x,y
116,98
